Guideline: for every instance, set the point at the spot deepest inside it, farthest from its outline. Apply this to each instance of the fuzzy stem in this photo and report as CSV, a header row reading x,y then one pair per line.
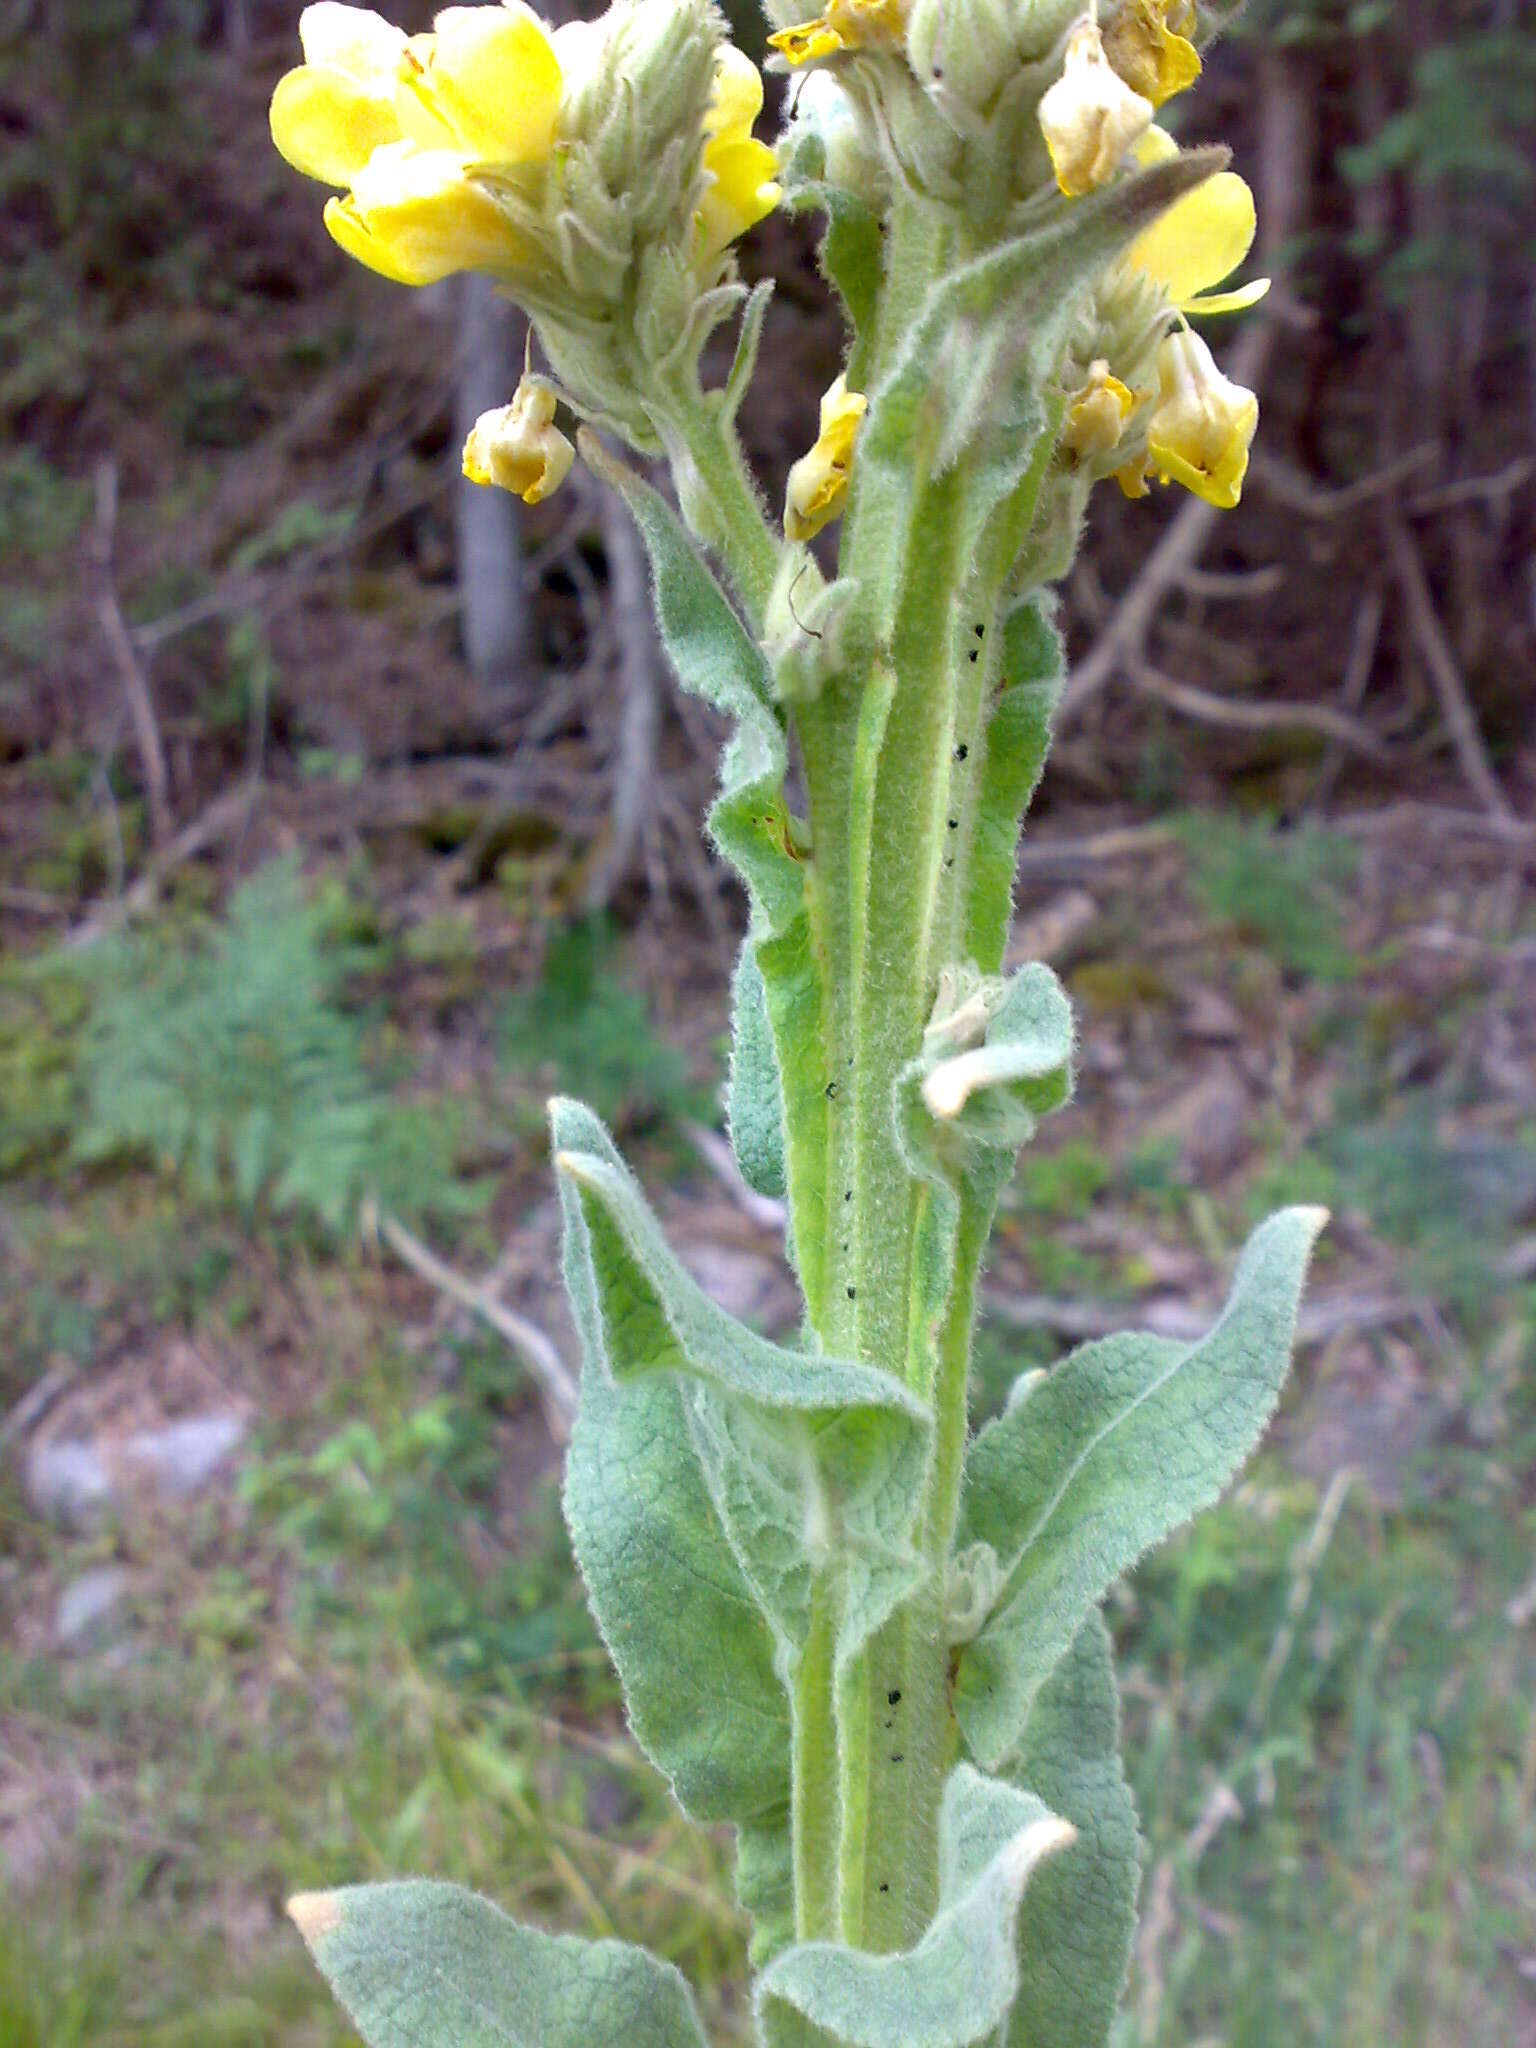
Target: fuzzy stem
x,y
715,489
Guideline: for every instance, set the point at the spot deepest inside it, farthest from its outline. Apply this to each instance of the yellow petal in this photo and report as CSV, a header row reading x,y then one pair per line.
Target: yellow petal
x,y
738,95
1200,240
1228,302
818,482
1220,484
350,39
413,215
1154,146
740,192
327,125
807,41
487,81
350,232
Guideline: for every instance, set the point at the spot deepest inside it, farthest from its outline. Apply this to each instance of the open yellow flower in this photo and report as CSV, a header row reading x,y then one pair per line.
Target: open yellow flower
x,y
740,188
1151,54
845,25
518,447
818,482
1090,117
1199,241
404,122
1201,429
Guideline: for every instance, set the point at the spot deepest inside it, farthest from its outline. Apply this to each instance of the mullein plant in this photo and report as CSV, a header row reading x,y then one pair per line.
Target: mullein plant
x,y
864,1637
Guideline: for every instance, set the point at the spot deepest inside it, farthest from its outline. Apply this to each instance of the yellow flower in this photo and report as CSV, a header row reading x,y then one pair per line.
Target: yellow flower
x,y
486,82
1202,428
740,188
519,447
330,115
845,25
1199,241
1098,413
1090,117
413,216
405,122
1152,57
818,482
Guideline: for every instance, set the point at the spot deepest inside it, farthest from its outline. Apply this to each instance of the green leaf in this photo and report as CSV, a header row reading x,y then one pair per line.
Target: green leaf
x,y
755,1101
421,1965
717,659
765,1885
960,1982
1018,736
813,1465
1102,1458
1079,1915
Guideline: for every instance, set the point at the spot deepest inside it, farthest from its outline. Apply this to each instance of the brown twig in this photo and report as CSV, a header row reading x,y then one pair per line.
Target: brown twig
x,y
557,1387
1444,674
131,674
227,813
1213,710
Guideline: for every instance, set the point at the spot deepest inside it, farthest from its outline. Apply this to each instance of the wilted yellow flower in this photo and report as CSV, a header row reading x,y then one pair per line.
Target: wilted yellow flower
x,y
1149,52
1098,413
1199,241
740,170
845,25
1090,117
1202,428
818,482
518,447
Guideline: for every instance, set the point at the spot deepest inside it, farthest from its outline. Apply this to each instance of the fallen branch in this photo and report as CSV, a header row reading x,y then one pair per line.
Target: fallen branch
x,y
227,813
109,613
556,1385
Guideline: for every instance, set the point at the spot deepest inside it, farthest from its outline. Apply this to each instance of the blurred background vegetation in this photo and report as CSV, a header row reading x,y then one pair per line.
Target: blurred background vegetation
x,y
323,859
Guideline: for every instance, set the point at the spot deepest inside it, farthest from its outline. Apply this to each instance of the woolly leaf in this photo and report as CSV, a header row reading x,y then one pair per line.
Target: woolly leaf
x,y
813,1465
1079,1915
755,1103
1017,737
750,822
1102,1458
960,1982
421,1965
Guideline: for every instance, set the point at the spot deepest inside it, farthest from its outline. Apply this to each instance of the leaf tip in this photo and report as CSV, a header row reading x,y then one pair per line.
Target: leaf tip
x,y
1033,1844
315,1914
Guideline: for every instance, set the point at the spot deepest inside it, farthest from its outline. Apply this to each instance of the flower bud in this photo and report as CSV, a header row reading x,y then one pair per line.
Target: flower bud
x,y
519,448
1098,413
1090,117
818,482
1203,425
